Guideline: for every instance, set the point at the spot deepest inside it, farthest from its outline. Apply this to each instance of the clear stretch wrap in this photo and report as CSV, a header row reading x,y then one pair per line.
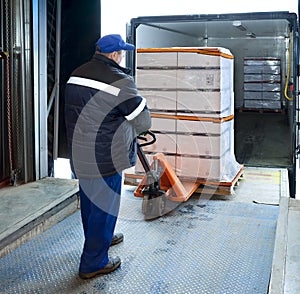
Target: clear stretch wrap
x,y
190,94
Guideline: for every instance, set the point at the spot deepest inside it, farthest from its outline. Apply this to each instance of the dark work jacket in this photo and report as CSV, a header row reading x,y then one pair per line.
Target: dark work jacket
x,y
104,113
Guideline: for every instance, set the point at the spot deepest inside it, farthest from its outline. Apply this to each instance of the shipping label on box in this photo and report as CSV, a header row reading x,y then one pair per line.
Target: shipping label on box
x,y
198,79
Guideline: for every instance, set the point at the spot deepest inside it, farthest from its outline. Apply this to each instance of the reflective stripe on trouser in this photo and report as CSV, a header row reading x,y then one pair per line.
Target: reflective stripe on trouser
x,y
99,203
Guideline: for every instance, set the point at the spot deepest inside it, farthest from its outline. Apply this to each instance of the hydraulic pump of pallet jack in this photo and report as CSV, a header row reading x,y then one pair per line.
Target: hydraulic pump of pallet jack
x,y
161,189
154,200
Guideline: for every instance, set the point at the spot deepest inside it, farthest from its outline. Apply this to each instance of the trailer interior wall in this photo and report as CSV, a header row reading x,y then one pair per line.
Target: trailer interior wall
x,y
271,40
261,138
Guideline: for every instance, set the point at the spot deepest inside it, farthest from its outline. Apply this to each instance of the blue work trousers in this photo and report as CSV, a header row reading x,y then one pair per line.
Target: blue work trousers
x,y
99,203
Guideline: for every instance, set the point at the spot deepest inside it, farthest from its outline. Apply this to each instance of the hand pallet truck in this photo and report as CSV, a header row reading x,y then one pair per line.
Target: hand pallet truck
x,y
161,189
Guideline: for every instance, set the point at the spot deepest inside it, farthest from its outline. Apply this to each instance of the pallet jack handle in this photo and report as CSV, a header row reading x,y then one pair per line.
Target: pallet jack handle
x,y
140,152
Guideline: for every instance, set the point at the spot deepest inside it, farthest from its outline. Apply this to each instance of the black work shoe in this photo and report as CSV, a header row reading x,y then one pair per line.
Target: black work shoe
x,y
112,265
116,239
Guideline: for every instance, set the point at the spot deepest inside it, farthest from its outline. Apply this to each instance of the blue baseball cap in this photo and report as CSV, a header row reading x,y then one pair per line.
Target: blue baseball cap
x,y
113,42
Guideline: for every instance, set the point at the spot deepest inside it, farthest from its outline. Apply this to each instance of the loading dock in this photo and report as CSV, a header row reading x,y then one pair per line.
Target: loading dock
x,y
209,244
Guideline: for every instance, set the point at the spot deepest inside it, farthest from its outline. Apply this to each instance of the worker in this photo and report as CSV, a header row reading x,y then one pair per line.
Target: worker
x,y
104,114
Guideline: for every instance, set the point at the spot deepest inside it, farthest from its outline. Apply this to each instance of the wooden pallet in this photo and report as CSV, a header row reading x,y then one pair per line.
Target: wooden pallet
x,y
220,188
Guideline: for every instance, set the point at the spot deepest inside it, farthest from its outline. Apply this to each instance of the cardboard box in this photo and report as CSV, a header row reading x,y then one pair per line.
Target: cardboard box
x,y
204,127
263,104
195,79
206,103
160,100
156,79
203,145
271,95
222,169
188,59
156,59
165,143
163,125
140,170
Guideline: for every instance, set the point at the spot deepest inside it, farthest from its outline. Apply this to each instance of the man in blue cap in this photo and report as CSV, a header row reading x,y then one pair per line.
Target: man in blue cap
x,y
104,114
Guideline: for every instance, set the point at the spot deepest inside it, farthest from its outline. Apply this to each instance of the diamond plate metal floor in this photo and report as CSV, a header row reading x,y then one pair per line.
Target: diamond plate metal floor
x,y
201,247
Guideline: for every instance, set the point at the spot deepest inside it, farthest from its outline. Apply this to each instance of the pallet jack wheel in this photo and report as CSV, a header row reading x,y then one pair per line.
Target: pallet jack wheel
x,y
153,207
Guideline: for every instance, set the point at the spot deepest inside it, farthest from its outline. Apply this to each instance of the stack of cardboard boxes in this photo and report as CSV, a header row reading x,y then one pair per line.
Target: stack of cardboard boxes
x,y
262,83
190,94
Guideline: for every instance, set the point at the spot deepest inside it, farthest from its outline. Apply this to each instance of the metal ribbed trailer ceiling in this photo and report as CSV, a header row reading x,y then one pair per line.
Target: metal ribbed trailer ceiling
x,y
204,246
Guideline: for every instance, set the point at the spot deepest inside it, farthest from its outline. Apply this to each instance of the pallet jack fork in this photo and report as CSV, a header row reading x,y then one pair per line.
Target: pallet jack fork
x,y
161,189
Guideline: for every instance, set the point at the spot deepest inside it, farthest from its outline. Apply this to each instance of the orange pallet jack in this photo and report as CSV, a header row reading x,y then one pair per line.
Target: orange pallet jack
x,y
161,189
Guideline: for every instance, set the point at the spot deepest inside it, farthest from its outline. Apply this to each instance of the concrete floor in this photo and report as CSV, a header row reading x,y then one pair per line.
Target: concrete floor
x,y
50,200
29,209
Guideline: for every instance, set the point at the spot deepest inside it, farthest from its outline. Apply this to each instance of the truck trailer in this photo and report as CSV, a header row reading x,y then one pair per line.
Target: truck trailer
x,y
265,50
